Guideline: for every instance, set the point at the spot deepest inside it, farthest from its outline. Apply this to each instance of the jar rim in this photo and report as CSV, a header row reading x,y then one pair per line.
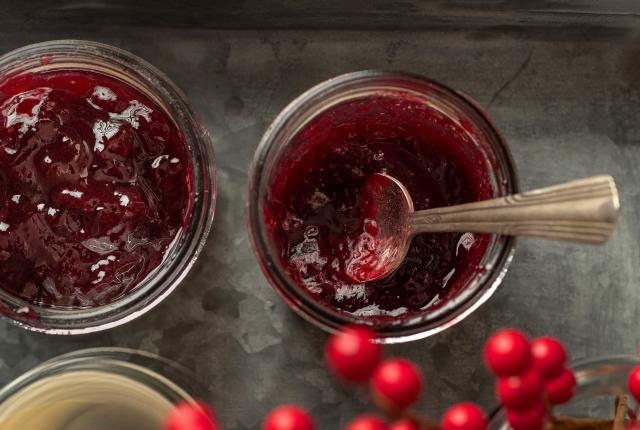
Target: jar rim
x,y
184,250
305,306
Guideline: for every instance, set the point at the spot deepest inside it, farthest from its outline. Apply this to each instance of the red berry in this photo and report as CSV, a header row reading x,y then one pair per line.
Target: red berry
x,y
549,356
397,383
464,416
561,388
405,425
522,391
288,417
352,354
367,423
632,425
634,383
507,353
528,419
190,416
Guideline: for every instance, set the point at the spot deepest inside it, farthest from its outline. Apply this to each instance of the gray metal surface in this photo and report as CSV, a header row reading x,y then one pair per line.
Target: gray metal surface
x,y
562,83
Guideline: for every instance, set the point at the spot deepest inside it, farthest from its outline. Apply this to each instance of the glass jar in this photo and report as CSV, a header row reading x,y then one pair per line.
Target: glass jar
x,y
484,140
75,55
116,388
598,382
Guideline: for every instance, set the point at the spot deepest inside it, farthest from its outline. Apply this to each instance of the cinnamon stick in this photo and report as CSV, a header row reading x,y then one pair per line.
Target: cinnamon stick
x,y
572,423
619,420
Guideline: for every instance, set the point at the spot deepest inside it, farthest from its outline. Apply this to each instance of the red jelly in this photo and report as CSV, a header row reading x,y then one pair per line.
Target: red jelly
x,y
95,184
316,215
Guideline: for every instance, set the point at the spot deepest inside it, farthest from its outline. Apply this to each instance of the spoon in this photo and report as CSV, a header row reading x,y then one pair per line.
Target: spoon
x,y
584,210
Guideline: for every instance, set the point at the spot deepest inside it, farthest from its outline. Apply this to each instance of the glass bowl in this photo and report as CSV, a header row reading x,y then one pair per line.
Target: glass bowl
x,y
598,382
79,55
483,139
120,388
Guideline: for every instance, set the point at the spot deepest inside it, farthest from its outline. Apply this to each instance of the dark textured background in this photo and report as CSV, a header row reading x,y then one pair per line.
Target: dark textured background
x,y
561,80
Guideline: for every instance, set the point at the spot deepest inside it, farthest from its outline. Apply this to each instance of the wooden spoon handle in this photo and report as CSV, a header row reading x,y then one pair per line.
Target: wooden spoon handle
x,y
584,210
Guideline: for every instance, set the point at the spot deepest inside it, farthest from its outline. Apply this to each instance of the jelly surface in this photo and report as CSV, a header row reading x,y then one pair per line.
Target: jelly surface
x,y
95,184
316,211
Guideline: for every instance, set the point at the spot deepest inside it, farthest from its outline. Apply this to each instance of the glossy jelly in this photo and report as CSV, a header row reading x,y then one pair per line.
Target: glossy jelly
x,y
316,216
95,184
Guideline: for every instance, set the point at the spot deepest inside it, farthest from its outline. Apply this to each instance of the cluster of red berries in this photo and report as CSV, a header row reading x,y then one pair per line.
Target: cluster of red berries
x,y
532,376
395,385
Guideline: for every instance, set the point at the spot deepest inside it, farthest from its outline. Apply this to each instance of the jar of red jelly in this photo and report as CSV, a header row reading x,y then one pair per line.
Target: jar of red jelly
x,y
96,144
306,215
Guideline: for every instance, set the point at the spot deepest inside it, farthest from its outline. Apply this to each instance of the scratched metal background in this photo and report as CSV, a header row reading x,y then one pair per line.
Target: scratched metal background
x,y
560,78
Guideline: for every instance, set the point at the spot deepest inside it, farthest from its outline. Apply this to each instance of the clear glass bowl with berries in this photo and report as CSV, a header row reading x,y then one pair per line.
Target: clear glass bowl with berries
x,y
107,186
537,390
600,384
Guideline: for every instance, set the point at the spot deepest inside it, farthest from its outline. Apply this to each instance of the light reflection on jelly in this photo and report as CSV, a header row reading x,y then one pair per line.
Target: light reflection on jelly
x,y
94,187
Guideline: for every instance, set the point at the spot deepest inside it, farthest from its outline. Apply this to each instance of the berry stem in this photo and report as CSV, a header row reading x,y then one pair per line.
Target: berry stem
x,y
572,423
549,407
424,422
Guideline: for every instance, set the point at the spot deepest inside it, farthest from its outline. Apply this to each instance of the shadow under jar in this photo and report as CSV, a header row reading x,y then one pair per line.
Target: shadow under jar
x,y
107,186
306,211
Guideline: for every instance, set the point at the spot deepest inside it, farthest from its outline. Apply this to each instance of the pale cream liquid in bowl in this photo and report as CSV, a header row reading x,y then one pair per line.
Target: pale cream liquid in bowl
x,y
84,400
